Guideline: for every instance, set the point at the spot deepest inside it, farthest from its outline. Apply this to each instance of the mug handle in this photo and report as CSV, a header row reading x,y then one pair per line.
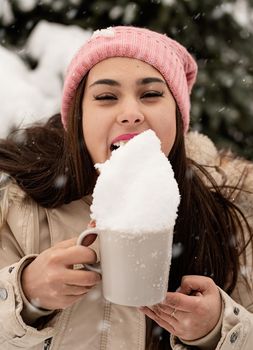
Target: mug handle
x,y
91,267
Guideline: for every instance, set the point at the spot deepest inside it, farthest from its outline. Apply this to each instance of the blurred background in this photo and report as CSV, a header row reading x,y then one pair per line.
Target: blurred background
x,y
39,37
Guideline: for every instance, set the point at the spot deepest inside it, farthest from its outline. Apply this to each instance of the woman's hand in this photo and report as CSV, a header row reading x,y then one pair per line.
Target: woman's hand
x,y
50,282
191,312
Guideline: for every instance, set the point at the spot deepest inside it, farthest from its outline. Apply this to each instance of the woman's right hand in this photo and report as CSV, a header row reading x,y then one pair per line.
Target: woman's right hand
x,y
50,282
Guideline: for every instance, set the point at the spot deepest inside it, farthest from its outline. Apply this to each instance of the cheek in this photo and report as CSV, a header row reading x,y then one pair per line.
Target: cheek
x,y
88,133
95,132
166,131
168,142
89,123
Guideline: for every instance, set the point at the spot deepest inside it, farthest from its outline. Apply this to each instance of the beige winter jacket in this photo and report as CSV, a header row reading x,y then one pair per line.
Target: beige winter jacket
x,y
94,324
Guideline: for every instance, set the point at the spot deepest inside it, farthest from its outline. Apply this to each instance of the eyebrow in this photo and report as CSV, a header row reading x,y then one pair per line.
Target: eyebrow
x,y
143,81
110,82
150,80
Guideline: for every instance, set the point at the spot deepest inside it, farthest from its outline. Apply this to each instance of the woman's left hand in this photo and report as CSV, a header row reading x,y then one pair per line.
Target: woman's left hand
x,y
191,312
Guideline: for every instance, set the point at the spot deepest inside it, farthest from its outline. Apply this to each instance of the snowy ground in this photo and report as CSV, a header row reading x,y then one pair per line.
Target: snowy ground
x,y
26,94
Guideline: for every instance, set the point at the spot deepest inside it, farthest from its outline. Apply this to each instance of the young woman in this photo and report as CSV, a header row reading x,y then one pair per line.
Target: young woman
x,y
123,80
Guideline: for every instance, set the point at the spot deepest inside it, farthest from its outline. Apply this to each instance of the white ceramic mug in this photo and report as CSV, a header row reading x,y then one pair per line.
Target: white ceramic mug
x,y
134,268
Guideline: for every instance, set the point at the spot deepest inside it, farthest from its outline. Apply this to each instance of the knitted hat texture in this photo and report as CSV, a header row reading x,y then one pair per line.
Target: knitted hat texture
x,y
169,57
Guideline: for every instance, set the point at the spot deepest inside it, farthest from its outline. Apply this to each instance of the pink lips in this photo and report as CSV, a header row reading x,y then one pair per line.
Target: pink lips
x,y
124,137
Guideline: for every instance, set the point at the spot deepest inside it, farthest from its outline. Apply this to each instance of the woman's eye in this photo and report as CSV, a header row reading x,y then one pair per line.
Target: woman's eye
x,y
105,97
150,94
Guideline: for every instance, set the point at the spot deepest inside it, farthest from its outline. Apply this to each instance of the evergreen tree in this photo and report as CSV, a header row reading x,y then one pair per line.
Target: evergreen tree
x,y
222,100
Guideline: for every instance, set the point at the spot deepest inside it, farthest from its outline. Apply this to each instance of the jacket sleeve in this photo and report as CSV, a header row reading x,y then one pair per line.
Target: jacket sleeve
x,y
235,331
30,313
13,330
14,255
236,327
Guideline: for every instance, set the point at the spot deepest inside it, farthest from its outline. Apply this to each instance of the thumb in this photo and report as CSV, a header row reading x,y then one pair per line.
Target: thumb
x,y
92,224
195,285
66,244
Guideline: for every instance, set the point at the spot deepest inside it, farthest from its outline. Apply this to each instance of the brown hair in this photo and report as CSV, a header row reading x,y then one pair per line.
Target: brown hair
x,y
54,167
209,230
209,234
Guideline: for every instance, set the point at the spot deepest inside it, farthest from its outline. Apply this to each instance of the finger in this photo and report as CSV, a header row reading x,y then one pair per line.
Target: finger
x,y
65,244
162,323
76,254
181,301
149,312
81,278
76,290
168,316
165,325
92,223
194,284
80,255
167,310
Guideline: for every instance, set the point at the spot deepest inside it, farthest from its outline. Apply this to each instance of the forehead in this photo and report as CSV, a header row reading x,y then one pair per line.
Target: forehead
x,y
122,66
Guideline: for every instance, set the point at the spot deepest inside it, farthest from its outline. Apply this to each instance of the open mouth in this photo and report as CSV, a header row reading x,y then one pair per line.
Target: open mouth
x,y
117,145
121,140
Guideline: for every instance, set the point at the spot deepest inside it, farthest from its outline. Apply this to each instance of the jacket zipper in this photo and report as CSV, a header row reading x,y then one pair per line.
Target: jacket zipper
x,y
47,343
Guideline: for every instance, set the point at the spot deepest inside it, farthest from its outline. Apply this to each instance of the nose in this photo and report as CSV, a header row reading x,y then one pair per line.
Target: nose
x,y
131,116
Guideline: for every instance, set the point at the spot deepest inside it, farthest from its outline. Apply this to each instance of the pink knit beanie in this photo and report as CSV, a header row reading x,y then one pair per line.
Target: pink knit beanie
x,y
170,58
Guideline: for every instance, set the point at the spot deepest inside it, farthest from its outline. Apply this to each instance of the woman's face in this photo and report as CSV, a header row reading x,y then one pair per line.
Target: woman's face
x,y
124,97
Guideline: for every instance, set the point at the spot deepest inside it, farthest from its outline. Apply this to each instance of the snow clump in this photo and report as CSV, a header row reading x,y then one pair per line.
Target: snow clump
x,y
136,190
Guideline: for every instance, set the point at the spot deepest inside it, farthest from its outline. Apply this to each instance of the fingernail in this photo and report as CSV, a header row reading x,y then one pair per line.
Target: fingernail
x,y
141,308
